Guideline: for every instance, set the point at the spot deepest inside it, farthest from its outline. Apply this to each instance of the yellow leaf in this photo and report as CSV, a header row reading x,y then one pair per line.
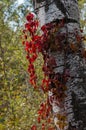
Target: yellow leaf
x,y
61,117
61,124
73,47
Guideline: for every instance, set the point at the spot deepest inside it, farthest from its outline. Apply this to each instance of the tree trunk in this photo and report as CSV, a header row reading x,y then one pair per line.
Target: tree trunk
x,y
70,62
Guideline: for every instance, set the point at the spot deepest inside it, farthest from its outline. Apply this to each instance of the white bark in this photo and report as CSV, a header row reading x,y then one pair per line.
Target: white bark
x,y
54,13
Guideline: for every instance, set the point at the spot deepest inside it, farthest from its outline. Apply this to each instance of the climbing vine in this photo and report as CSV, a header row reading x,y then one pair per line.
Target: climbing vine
x,y
43,40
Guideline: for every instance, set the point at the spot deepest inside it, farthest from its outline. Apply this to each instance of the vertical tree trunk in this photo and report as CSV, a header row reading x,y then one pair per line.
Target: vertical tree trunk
x,y
70,62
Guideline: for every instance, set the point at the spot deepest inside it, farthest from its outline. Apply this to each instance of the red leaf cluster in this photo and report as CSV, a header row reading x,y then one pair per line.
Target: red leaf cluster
x,y
30,17
34,127
32,46
44,112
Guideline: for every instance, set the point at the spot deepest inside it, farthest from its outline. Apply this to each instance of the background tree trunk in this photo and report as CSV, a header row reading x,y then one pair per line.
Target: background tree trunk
x,y
75,102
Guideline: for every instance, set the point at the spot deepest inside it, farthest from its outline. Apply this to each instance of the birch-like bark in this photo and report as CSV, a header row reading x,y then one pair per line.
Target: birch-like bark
x,y
75,102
